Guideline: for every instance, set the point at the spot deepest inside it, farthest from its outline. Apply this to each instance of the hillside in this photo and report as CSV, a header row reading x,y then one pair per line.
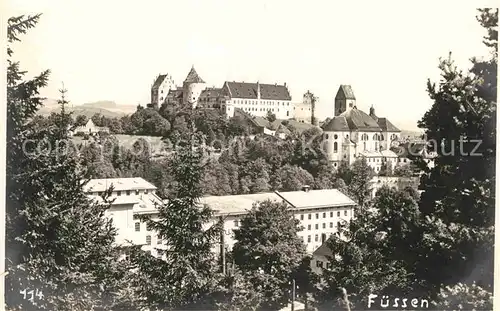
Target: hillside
x,y
106,108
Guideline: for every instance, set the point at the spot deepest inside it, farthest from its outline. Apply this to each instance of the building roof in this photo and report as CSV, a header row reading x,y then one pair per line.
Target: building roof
x,y
388,154
211,92
121,200
237,204
249,91
316,198
175,93
324,250
119,184
387,126
360,121
345,92
337,124
159,81
193,77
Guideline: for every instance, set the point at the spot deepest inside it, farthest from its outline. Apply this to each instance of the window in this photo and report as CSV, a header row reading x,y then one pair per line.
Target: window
x,y
345,213
335,147
331,225
324,215
148,239
338,224
316,238
145,191
309,216
316,226
236,223
324,225
137,192
302,217
308,227
118,193
326,136
331,214
317,215
335,136
323,238
338,214
319,264
308,239
158,240
137,226
128,192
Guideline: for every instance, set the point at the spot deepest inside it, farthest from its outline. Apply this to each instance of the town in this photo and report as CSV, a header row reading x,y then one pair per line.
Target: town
x,y
244,197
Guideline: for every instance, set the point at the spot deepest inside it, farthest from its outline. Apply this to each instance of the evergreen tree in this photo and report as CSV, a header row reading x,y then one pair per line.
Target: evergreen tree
x,y
187,276
60,250
458,199
269,251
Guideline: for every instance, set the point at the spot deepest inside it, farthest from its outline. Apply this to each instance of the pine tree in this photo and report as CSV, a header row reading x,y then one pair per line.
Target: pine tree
x,y
59,244
269,251
458,199
188,274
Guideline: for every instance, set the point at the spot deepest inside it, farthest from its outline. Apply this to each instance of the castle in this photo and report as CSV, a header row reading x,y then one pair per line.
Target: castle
x,y
257,99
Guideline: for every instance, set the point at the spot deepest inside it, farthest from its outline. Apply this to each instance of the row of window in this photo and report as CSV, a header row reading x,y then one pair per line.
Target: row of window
x,y
316,238
119,193
259,102
316,226
309,216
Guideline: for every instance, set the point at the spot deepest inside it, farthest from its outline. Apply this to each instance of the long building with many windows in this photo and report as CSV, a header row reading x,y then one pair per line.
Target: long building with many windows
x,y
319,211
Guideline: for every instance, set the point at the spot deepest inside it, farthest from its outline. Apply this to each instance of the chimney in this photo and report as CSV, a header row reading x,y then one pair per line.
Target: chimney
x,y
285,84
305,188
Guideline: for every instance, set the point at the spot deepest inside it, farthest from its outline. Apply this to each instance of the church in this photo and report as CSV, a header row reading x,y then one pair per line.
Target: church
x,y
352,133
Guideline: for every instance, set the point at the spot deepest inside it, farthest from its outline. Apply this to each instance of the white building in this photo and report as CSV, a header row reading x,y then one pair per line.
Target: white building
x,y
258,99
160,89
132,197
352,133
305,111
90,128
319,211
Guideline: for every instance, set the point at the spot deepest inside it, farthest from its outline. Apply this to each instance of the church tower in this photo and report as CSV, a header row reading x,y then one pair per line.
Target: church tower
x,y
344,100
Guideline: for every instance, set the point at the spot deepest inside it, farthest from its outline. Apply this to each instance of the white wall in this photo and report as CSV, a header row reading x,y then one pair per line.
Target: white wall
x,y
283,109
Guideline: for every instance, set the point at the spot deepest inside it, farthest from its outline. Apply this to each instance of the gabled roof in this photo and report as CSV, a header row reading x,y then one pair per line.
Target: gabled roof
x,y
159,81
193,77
386,125
358,120
249,91
324,250
211,92
337,124
345,92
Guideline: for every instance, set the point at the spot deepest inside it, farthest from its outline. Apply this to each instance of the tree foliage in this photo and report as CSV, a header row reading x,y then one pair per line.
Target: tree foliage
x,y
59,244
269,251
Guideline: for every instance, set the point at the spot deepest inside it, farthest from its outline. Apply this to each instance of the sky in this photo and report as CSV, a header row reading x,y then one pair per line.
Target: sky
x,y
113,50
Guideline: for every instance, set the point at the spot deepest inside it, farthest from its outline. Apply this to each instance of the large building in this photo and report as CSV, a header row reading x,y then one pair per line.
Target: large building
x,y
160,88
319,211
352,133
258,99
255,98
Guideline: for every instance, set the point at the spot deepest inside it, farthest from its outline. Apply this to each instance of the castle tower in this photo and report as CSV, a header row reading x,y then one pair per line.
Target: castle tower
x,y
344,100
192,87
